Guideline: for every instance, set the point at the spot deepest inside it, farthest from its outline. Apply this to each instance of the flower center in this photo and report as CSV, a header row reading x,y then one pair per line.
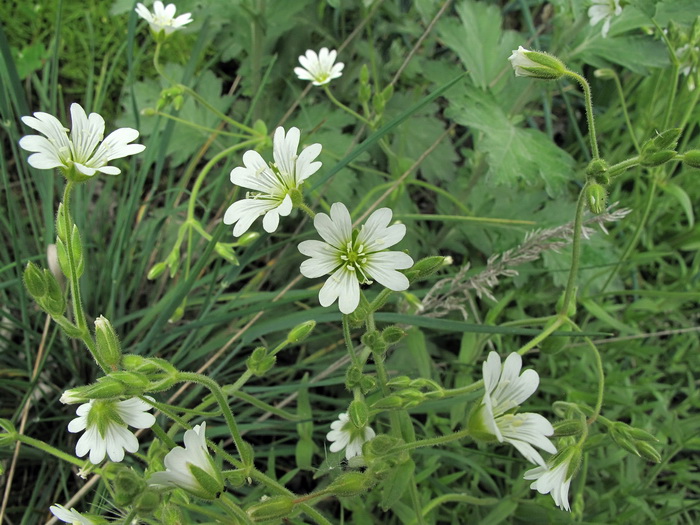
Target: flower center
x,y
354,258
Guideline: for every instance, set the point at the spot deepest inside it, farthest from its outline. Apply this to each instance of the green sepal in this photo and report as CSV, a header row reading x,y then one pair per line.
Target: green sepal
x,y
156,270
77,246
349,484
61,231
658,158
648,452
210,486
108,345
692,158
667,139
35,281
358,413
301,331
62,254
274,508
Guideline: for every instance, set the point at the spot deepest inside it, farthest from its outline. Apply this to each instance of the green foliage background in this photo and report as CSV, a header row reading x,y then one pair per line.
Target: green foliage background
x,y
517,151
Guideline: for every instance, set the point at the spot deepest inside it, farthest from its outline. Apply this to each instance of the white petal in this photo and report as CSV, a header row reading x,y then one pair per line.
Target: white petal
x,y
336,230
342,285
491,372
305,167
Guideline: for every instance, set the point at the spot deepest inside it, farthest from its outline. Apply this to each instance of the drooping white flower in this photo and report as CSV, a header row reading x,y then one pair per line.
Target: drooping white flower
x,y
604,10
271,184
105,424
351,260
163,17
319,69
555,477
191,468
85,151
70,516
345,435
495,420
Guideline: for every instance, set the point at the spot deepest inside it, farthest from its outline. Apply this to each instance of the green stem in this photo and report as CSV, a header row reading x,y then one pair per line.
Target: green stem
x,y
635,237
45,447
618,169
345,108
226,502
621,93
589,111
306,210
215,389
160,434
575,251
601,381
348,343
468,389
207,168
431,442
191,124
548,330
78,312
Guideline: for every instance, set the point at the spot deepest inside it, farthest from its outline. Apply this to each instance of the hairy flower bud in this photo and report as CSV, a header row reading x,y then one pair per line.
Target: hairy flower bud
x,y
273,508
596,198
536,64
108,346
301,331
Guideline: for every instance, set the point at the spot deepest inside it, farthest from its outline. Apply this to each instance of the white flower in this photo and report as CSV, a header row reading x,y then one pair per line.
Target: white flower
x,y
271,183
105,424
505,389
162,17
604,10
182,463
345,435
555,480
83,150
70,516
354,260
319,68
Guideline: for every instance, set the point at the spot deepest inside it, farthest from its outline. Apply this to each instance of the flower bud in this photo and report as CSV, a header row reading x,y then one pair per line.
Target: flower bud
x,y
62,255
148,112
34,281
74,395
399,382
148,502
358,413
387,93
692,158
667,139
604,73
364,94
425,268
392,335
353,375
134,382
156,270
259,362
388,403
364,74
640,435
248,238
105,388
77,248
367,384
226,252
349,484
374,341
357,318
61,223
536,64
127,486
597,170
108,346
648,452
301,331
568,427
657,159
596,198
273,508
